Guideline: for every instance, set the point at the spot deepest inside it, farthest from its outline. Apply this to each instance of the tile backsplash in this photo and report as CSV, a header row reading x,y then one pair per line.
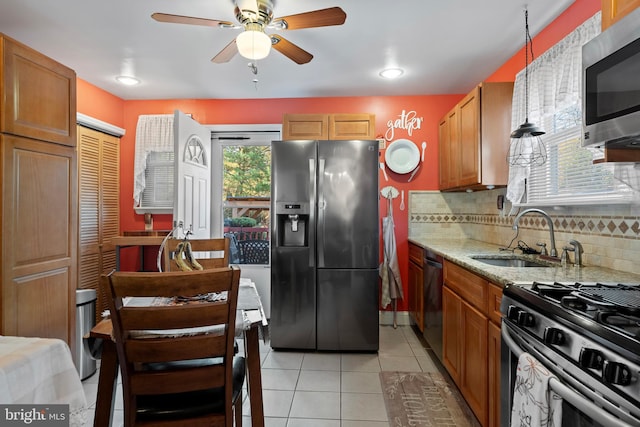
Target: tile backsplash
x,y
610,234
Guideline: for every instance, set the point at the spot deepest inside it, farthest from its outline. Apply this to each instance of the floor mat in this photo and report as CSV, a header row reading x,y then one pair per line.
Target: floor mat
x,y
423,398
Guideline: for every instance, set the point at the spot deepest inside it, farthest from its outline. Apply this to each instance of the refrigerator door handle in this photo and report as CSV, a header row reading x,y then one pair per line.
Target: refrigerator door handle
x,y
312,211
321,206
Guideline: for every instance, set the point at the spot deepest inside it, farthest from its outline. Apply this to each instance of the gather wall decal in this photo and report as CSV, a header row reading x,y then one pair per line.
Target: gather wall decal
x,y
407,120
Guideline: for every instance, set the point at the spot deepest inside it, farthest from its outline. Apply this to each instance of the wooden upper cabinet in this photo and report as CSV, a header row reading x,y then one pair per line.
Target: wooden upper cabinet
x,y
474,139
469,142
352,126
39,95
305,126
328,126
614,10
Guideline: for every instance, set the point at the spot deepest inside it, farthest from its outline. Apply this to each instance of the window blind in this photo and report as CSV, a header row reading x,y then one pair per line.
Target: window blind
x,y
159,177
570,177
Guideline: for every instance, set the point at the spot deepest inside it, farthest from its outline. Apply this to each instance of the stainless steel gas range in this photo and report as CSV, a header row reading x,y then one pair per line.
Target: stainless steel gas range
x,y
588,335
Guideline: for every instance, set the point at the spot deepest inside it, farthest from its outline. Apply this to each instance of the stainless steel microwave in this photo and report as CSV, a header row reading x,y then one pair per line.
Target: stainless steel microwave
x,y
611,86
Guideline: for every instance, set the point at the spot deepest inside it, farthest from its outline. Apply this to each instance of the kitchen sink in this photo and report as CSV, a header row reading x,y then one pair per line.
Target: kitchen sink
x,y
509,261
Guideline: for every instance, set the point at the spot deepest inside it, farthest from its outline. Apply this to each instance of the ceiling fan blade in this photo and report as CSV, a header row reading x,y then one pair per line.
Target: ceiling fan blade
x,y
315,18
179,19
226,54
290,50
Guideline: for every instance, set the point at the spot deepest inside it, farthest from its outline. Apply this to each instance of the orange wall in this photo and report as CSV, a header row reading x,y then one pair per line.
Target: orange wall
x,y
99,104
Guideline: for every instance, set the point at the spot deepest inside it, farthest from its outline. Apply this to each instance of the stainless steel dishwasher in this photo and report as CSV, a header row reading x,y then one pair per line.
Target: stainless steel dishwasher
x,y
433,282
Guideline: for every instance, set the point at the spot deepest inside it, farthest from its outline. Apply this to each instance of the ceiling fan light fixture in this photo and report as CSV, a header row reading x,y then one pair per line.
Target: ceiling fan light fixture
x,y
391,73
253,44
128,80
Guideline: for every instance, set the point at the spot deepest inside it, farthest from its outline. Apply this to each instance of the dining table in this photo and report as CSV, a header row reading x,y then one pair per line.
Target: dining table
x,y
38,375
250,318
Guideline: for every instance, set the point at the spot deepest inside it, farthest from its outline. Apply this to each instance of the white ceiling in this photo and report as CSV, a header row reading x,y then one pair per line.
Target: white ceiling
x,y
444,46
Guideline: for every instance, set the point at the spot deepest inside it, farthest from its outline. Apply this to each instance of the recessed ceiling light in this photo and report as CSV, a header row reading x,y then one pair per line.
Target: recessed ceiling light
x,y
391,73
128,80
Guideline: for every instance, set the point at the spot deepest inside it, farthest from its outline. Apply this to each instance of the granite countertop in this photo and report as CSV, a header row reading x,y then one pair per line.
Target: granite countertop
x,y
460,251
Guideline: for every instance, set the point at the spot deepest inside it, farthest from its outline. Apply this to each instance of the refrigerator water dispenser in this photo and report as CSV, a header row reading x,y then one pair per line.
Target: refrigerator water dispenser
x,y
293,230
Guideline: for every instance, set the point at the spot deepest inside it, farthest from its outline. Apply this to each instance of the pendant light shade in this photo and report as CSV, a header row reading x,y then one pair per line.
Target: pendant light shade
x,y
526,146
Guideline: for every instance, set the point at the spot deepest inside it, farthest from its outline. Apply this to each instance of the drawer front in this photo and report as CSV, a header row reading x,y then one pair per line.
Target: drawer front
x,y
470,287
415,253
495,298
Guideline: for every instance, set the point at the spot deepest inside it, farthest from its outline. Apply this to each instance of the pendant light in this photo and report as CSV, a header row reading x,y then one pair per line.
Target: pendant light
x,y
526,146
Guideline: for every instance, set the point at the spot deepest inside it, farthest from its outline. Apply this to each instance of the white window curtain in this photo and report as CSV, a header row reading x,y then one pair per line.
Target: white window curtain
x,y
154,133
555,84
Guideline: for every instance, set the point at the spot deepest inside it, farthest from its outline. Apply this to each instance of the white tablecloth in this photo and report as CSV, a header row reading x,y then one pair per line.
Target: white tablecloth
x,y
40,371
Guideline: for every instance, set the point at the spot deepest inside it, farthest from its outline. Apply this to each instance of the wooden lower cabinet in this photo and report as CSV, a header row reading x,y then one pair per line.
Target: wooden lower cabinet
x,y
494,374
471,341
451,318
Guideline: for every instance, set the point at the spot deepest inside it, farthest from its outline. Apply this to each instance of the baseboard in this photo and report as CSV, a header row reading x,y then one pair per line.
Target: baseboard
x,y
402,318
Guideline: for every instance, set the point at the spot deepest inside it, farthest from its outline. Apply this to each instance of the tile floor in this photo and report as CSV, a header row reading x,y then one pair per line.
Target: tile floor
x,y
310,389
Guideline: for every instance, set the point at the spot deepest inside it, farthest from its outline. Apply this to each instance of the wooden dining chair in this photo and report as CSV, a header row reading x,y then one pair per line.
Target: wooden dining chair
x,y
176,349
210,253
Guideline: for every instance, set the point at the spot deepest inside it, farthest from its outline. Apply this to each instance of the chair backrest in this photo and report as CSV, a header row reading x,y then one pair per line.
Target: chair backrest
x,y
210,253
185,320
254,251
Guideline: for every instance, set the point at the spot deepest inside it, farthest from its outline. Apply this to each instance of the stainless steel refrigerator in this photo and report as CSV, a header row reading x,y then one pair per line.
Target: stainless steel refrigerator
x,y
324,245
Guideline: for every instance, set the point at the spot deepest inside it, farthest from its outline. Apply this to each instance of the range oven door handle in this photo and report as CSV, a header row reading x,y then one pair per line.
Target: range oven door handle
x,y
583,405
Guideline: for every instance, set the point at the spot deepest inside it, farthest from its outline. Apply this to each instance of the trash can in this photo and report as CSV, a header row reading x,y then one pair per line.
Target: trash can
x,y
85,320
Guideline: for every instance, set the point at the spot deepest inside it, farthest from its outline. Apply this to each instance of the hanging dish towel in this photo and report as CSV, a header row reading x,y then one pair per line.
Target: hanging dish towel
x,y
534,403
390,269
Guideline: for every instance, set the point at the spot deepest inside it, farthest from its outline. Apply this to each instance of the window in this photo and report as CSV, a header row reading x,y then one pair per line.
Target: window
x,y
569,175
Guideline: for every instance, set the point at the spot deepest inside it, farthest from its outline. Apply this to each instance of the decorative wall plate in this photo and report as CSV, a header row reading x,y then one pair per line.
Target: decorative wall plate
x,y
402,156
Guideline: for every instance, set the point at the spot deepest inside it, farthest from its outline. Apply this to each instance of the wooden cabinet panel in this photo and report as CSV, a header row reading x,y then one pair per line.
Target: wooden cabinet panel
x,y
473,378
494,297
494,342
469,156
305,126
38,95
99,194
451,347
328,126
470,287
476,132
352,126
614,10
39,238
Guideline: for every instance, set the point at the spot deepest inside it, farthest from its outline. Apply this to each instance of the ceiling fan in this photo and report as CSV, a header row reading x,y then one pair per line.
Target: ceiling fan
x,y
255,16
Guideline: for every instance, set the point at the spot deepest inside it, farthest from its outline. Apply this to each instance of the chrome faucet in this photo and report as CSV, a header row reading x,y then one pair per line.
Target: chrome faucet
x,y
554,251
577,248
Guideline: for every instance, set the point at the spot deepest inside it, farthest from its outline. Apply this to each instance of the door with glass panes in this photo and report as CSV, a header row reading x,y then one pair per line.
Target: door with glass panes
x,y
242,199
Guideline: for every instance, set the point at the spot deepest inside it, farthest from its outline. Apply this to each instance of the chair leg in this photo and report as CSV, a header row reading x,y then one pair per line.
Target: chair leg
x,y
237,410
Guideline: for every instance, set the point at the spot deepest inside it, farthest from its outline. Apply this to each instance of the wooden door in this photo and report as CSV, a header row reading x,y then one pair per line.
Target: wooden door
x,y
451,318
39,238
99,207
469,139
473,378
192,194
